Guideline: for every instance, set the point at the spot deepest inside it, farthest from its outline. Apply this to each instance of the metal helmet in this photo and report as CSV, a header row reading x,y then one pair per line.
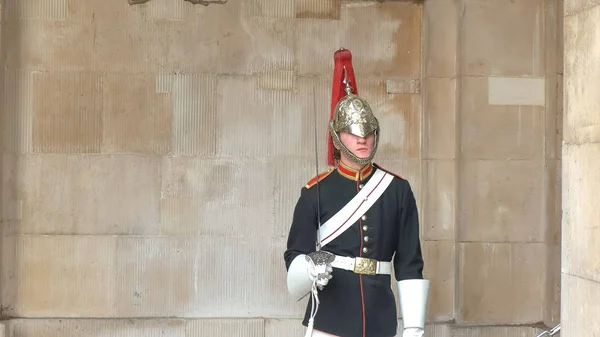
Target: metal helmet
x,y
353,114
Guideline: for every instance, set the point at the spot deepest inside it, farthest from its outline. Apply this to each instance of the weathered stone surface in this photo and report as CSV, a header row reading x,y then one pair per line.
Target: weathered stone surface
x,y
50,43
389,49
270,9
17,111
399,118
167,277
439,200
490,46
65,276
582,70
441,31
71,194
440,267
580,211
318,9
501,201
133,327
191,114
507,331
135,117
575,6
581,303
439,120
501,283
520,91
67,112
197,198
498,131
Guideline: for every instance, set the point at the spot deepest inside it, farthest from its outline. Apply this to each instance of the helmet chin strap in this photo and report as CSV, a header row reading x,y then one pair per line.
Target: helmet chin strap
x,y
362,161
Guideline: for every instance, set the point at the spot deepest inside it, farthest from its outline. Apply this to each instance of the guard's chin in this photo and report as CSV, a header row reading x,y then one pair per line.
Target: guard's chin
x,y
362,154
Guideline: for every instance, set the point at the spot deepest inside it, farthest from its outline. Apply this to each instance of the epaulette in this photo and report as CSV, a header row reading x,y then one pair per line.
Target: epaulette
x,y
321,176
388,171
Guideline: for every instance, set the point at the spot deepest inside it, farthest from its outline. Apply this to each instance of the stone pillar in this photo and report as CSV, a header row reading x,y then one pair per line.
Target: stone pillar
x,y
580,292
491,165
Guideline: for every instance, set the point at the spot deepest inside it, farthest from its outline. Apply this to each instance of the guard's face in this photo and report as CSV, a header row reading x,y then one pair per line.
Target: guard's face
x,y
360,146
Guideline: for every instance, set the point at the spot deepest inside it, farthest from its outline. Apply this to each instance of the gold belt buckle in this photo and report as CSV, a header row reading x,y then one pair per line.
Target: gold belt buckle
x,y
363,265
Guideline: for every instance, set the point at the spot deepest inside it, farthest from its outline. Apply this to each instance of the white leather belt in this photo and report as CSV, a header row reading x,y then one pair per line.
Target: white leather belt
x,y
362,265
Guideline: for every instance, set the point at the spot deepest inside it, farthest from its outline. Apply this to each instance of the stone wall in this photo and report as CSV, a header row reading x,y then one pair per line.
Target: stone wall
x,y
581,150
153,153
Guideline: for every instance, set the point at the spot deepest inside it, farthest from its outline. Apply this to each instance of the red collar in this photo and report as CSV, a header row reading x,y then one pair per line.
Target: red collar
x,y
354,174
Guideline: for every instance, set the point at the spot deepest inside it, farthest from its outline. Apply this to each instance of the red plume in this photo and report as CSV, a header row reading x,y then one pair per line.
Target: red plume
x,y
342,59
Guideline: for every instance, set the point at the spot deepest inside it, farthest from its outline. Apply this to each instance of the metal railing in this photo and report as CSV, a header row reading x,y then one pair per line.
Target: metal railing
x,y
552,332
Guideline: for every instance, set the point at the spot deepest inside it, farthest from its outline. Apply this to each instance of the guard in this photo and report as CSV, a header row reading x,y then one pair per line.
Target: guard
x,y
354,226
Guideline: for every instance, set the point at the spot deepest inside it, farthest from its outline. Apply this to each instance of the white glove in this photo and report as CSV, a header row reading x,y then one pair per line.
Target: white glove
x,y
413,332
321,273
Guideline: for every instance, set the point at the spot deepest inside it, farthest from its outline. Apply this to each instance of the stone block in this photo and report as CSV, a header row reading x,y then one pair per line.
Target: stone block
x,y
505,331
48,44
165,10
156,327
67,112
501,201
389,49
439,139
517,91
491,47
552,201
318,9
167,277
559,116
580,234
441,30
65,276
270,9
580,306
399,118
284,327
135,118
246,117
498,131
575,7
552,298
192,112
72,194
17,111
292,112
436,330
32,9
271,44
501,283
440,266
138,39
439,201
552,141
403,85
206,204
582,52
315,43
125,41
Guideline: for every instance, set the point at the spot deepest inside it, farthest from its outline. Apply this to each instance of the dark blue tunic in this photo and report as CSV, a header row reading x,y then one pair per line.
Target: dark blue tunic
x,y
354,305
